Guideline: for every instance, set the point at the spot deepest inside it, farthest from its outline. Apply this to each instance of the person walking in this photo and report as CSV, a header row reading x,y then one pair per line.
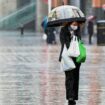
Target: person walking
x,y
22,29
90,30
49,31
72,76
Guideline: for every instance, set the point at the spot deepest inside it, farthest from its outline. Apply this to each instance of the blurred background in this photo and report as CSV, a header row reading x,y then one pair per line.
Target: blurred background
x,y
29,13
15,13
30,73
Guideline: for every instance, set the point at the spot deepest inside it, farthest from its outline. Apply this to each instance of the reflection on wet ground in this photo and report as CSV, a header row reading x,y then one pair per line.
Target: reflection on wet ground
x,y
30,74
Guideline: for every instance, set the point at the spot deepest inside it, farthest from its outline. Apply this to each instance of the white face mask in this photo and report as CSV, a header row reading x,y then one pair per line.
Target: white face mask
x,y
74,27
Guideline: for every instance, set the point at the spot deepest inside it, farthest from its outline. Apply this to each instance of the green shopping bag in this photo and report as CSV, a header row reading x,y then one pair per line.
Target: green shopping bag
x,y
82,57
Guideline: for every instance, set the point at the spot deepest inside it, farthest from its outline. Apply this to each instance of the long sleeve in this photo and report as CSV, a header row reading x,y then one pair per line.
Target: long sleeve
x,y
62,41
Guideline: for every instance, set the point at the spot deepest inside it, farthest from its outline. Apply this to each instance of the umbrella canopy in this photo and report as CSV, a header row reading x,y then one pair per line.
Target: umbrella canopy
x,y
91,17
65,13
44,23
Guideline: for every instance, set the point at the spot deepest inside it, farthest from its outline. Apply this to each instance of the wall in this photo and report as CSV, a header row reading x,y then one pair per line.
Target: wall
x,y
75,3
98,11
7,7
21,3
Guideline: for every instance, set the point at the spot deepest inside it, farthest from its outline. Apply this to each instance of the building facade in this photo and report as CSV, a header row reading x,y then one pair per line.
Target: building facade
x,y
90,7
7,7
21,3
98,10
56,3
16,12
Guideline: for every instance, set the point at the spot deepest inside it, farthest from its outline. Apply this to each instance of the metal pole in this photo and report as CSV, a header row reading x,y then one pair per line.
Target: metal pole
x,y
41,11
49,6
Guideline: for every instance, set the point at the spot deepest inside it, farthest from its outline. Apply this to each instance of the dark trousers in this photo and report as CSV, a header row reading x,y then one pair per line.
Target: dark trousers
x,y
22,31
72,82
90,38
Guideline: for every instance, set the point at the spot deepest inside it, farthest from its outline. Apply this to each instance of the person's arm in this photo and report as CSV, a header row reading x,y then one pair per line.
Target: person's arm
x,y
62,41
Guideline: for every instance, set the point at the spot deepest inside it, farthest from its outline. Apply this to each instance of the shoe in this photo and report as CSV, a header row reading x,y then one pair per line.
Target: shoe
x,y
71,102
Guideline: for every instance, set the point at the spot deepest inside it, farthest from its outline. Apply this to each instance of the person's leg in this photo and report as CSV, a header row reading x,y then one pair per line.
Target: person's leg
x,y
69,81
90,39
76,81
22,31
72,83
54,39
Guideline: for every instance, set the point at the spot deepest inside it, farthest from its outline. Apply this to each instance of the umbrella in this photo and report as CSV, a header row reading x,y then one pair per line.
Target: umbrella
x,y
44,23
65,13
91,17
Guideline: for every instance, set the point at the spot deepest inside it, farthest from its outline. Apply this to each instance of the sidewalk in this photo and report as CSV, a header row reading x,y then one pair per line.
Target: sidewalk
x,y
17,33
30,73
85,39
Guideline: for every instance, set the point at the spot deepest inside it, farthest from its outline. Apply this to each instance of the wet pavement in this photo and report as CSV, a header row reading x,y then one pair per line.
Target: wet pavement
x,y
30,73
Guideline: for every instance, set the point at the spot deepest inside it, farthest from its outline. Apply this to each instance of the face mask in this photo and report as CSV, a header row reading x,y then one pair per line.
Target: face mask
x,y
74,27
